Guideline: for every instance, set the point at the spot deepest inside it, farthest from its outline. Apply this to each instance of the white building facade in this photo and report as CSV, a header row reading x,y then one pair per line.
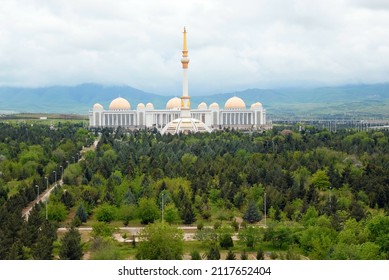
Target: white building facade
x,y
234,114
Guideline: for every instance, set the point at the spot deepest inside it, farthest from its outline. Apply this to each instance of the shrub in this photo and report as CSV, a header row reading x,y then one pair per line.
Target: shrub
x,y
195,255
105,213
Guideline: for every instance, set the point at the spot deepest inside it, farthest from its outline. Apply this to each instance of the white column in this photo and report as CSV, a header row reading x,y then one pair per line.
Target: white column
x,y
185,91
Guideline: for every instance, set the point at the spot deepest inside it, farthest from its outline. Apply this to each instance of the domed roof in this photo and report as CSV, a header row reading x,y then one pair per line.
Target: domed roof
x,y
119,104
202,106
234,103
185,126
174,103
98,106
214,105
150,106
257,105
140,106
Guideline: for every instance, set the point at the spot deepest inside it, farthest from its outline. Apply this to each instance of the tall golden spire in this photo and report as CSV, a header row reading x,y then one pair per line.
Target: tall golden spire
x,y
185,59
185,46
185,98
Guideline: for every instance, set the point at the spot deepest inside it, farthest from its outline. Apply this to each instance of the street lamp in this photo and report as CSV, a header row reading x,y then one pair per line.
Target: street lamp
x,y
61,172
55,176
163,194
47,197
37,198
74,159
67,163
265,208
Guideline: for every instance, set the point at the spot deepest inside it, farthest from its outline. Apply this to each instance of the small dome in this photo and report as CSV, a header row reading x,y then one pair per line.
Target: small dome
x,y
140,106
214,105
119,104
202,106
150,106
234,103
257,105
174,103
98,106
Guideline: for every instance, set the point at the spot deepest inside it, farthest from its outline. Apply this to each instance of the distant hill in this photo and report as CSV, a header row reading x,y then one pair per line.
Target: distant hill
x,y
66,99
352,99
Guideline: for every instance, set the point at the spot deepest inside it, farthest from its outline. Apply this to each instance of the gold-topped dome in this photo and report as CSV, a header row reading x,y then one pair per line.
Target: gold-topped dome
x,y
140,106
257,105
98,106
202,106
214,105
150,106
119,104
234,103
174,103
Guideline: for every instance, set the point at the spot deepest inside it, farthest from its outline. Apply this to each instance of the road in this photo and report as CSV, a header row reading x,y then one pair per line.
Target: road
x,y
189,232
43,197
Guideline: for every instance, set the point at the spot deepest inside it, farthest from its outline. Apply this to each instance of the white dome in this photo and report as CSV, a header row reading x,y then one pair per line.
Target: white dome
x,y
202,106
185,126
98,106
174,103
257,105
150,106
214,105
234,103
119,104
140,106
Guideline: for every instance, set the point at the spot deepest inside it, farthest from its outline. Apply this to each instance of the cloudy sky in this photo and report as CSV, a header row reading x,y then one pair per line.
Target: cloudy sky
x,y
233,45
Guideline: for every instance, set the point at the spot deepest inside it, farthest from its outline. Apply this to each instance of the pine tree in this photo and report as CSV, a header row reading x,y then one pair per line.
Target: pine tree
x,y
244,255
188,215
213,252
260,255
16,251
226,241
252,214
81,213
43,248
230,255
71,247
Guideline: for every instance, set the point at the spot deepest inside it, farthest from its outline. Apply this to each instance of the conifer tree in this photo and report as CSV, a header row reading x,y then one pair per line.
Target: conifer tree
x,y
252,214
230,255
71,246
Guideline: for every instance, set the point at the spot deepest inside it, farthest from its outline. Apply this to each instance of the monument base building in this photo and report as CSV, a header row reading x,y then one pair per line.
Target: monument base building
x,y
234,114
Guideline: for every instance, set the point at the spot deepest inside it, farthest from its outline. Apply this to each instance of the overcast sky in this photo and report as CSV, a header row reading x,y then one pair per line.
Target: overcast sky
x,y
233,45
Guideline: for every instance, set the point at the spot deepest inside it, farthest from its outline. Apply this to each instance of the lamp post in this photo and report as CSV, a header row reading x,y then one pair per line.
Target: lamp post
x,y
61,172
265,209
74,159
330,198
47,195
37,197
162,205
55,176
67,163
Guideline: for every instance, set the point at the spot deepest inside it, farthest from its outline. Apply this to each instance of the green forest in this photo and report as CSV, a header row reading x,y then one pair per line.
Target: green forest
x,y
281,194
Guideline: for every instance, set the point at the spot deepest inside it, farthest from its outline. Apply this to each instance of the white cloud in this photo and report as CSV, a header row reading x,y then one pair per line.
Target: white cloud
x,y
232,44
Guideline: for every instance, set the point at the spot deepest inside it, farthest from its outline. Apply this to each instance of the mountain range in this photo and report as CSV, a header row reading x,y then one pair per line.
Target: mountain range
x,y
371,99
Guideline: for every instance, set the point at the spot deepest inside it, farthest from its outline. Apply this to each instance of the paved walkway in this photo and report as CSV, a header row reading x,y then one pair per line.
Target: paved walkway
x,y
43,197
